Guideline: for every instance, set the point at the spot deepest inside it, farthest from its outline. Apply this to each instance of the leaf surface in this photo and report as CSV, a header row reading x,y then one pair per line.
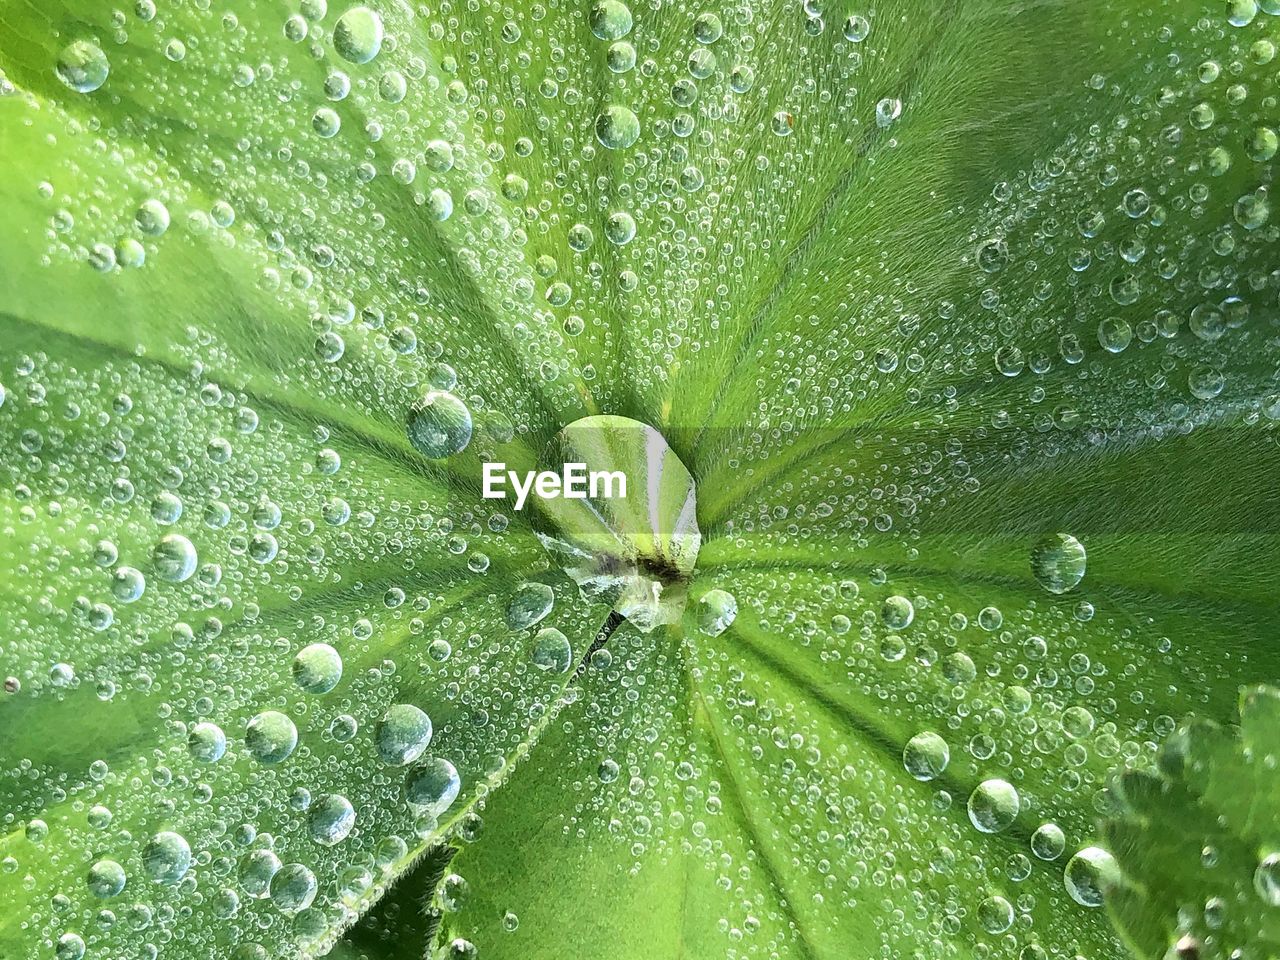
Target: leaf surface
x,y
907,295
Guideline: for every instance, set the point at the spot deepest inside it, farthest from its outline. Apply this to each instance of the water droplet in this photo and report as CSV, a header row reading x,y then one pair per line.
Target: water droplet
x,y
1266,879
174,558
993,805
439,425
530,604
1048,842
857,28
82,66
1087,875
1077,722
620,228
1058,562
995,914
207,742
166,858
1114,334
926,755
1240,13
897,613
127,584
357,36
617,127
293,888
610,19
552,651
331,819
317,668
403,733
434,786
716,612
270,737
106,879
256,872
70,947
887,111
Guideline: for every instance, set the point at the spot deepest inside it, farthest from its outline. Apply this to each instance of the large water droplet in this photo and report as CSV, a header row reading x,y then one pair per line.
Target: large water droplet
x,y
166,858
403,733
439,425
331,819
317,668
106,879
716,611
1088,874
357,36
270,737
1048,842
993,805
897,613
552,651
530,604
433,786
207,742
1266,879
1058,562
617,127
293,888
174,558
610,19
82,66
926,755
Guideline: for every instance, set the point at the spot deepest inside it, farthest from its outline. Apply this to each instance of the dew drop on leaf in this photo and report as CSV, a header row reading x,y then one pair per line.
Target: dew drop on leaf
x,y
317,668
357,36
433,785
716,612
256,871
1058,562
402,734
174,558
330,819
993,805
270,737
926,755
439,425
530,604
82,66
897,612
856,28
610,19
995,914
551,651
206,742
1087,875
166,858
70,947
293,888
617,127
1048,842
1266,879
106,879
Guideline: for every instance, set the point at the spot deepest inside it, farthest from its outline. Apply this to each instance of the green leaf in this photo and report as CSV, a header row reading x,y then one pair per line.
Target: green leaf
x,y
924,309
1197,841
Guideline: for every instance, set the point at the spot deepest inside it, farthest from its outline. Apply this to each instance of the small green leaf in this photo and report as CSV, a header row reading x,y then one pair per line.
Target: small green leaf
x,y
1199,841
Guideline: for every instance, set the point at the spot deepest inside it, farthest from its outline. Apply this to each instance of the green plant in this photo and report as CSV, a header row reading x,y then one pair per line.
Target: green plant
x,y
896,310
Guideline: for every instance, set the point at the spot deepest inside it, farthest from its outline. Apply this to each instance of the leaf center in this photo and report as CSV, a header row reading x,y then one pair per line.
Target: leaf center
x,y
635,542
